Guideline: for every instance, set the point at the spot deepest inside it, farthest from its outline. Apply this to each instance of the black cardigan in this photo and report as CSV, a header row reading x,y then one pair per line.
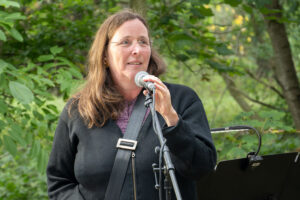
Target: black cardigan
x,y
81,159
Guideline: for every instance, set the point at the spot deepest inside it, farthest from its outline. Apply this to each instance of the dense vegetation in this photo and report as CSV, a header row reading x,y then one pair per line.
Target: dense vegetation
x,y
228,51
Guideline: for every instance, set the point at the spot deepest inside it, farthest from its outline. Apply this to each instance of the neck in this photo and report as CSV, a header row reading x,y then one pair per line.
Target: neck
x,y
127,87
129,93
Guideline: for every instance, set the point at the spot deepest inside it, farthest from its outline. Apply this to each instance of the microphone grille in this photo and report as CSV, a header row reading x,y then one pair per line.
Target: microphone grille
x,y
138,78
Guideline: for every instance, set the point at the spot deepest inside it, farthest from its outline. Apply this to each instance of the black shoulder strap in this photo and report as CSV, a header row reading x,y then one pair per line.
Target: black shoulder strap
x,y
125,146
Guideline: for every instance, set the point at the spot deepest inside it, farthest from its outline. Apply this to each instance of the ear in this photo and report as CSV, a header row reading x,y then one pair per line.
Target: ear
x,y
105,60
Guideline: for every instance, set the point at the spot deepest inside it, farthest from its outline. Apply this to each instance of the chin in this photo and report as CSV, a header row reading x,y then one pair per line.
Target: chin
x,y
131,75
132,72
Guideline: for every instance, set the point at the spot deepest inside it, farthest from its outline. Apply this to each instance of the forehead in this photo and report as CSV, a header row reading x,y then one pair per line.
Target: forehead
x,y
131,28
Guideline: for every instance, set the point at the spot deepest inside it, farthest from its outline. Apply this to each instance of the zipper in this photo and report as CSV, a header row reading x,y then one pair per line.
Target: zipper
x,y
133,174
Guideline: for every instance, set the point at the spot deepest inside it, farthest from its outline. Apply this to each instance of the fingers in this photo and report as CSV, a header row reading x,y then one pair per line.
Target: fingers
x,y
152,78
163,100
145,92
161,89
157,82
162,94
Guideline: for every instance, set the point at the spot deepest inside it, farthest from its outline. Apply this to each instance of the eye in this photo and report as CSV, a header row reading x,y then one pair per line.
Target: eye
x,y
125,42
143,42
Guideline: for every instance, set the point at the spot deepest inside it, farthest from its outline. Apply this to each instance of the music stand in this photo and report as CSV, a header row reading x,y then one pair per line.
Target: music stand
x,y
291,190
275,177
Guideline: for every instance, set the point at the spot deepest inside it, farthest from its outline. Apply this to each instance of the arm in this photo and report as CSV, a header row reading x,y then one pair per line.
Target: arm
x,y
190,140
62,184
186,129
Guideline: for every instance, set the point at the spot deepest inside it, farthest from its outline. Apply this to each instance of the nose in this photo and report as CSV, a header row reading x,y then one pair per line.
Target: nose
x,y
136,48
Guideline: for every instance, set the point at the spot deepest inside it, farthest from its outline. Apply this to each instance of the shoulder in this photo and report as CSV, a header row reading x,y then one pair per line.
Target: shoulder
x,y
70,110
183,96
177,90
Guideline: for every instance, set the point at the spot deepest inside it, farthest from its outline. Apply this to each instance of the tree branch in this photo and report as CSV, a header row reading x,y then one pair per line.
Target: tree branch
x,y
259,102
217,106
265,84
262,103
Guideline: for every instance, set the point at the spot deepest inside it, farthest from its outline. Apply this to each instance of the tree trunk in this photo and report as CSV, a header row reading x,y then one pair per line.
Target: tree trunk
x,y
262,62
235,93
284,69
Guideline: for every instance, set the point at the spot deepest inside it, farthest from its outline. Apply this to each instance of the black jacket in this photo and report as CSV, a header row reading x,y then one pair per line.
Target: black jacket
x,y
81,159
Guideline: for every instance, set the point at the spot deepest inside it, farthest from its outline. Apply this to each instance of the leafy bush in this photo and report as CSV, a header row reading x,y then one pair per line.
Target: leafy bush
x,y
27,116
19,178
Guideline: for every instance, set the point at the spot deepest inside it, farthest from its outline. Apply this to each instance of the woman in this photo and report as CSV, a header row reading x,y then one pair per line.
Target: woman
x,y
90,125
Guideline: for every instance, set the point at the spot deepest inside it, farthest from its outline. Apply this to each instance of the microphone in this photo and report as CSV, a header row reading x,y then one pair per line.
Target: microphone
x,y
138,79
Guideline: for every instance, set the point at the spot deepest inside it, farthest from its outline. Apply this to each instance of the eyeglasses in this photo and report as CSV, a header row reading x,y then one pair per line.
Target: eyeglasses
x,y
126,43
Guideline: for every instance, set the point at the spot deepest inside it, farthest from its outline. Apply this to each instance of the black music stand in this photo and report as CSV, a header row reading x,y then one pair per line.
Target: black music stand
x,y
275,177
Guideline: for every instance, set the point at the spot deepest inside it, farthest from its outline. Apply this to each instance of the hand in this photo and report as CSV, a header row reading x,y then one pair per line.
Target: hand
x,y
163,103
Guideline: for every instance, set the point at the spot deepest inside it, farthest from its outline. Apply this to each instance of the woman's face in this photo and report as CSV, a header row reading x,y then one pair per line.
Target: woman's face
x,y
128,51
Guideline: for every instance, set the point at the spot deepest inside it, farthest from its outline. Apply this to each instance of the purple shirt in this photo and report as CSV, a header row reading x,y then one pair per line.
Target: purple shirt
x,y
125,115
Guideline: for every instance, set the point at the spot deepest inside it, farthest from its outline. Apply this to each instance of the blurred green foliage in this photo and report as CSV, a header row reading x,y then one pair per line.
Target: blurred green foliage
x,y
44,45
276,136
28,114
20,179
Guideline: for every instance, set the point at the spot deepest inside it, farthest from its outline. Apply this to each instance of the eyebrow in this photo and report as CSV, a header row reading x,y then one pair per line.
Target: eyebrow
x,y
140,37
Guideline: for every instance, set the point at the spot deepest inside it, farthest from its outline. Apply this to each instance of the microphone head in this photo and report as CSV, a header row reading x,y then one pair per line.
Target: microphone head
x,y
138,79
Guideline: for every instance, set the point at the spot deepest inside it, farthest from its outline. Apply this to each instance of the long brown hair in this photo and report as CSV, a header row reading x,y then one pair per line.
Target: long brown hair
x,y
99,99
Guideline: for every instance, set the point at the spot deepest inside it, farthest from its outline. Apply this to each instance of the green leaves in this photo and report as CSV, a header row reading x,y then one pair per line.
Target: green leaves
x,y
16,133
2,36
237,152
14,16
7,21
19,176
39,153
30,126
181,40
2,66
233,3
7,4
35,149
21,92
248,9
3,107
201,12
16,34
42,161
223,50
45,58
56,50
219,66
10,145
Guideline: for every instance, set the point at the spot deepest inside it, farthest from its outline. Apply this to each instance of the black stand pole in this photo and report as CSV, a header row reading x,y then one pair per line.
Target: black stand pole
x,y
165,150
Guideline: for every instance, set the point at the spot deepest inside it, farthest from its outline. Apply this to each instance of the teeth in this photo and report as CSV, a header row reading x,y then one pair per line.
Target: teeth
x,y
135,63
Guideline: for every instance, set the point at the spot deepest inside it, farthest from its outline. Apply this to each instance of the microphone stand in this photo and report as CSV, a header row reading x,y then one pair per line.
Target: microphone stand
x,y
164,151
